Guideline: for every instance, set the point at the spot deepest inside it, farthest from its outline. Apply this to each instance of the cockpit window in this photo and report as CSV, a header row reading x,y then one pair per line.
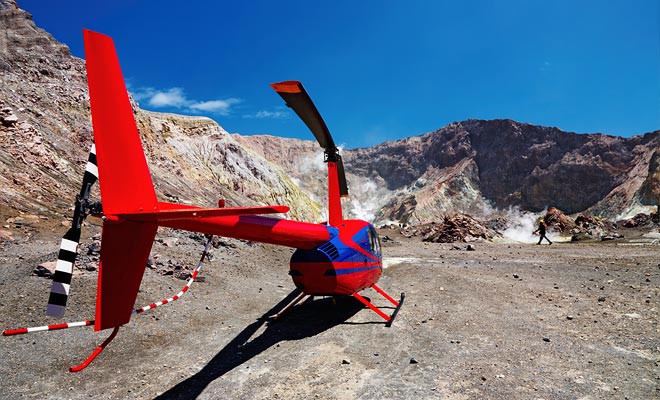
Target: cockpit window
x,y
368,239
371,241
374,241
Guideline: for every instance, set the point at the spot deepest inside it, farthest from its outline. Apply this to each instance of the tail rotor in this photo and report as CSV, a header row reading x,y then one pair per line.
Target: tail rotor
x,y
66,258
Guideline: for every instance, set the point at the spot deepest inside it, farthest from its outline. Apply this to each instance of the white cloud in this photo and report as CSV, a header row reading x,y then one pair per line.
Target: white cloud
x,y
171,98
222,107
176,98
521,226
312,163
263,114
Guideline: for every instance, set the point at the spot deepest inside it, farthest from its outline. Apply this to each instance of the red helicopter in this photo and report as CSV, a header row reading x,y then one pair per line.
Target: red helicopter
x,y
338,258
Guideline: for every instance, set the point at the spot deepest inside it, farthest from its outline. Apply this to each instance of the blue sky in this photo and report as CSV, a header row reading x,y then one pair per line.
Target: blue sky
x,y
382,70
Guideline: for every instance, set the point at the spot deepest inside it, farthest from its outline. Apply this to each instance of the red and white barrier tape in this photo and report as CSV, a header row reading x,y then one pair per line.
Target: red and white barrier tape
x,y
20,331
171,299
53,327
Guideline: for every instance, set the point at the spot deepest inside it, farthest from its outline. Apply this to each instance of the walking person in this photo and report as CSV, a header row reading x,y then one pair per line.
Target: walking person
x,y
541,231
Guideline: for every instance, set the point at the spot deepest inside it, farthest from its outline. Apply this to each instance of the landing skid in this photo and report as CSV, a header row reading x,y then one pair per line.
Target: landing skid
x,y
397,304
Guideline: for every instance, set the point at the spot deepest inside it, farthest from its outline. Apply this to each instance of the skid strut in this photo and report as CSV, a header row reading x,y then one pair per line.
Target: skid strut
x,y
96,352
295,301
388,318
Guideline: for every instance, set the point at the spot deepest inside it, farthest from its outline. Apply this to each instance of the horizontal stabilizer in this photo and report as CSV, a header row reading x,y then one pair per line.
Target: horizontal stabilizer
x,y
192,212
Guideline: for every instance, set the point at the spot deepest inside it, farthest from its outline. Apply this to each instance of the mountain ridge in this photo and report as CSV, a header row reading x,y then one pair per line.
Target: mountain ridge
x,y
474,166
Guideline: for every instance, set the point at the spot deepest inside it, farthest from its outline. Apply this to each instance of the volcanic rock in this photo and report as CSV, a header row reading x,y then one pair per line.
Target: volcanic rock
x,y
45,270
558,220
473,165
453,228
5,235
649,192
642,220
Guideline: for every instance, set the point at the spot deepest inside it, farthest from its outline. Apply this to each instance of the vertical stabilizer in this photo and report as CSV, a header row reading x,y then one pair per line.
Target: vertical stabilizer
x,y
124,177
125,184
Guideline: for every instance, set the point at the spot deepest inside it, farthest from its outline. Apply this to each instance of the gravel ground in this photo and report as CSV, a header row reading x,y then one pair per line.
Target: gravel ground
x,y
506,321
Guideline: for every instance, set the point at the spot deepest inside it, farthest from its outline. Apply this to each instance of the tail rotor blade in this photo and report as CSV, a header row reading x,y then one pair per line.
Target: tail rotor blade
x,y
59,292
91,171
296,97
66,258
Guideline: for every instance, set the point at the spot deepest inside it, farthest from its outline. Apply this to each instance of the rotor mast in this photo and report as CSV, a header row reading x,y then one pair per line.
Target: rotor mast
x,y
335,216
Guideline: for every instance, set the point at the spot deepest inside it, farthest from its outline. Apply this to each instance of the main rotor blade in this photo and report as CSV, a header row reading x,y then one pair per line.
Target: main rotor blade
x,y
341,175
296,97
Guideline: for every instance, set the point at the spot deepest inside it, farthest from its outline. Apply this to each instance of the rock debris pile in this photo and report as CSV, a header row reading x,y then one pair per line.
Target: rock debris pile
x,y
582,227
643,220
453,228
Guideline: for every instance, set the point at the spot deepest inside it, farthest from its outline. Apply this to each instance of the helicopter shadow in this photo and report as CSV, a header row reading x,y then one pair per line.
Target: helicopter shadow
x,y
302,321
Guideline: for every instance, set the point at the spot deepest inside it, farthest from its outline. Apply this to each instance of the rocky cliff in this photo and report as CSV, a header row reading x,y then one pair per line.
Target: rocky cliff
x,y
194,160
44,114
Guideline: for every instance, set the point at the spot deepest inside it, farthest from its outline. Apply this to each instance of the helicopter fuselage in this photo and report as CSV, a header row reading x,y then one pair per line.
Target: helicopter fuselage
x,y
347,263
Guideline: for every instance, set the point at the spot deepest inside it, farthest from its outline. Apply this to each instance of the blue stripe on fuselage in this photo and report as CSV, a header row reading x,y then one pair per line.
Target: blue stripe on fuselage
x,y
345,271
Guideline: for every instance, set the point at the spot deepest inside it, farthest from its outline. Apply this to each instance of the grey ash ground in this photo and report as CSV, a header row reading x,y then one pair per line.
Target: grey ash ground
x,y
506,321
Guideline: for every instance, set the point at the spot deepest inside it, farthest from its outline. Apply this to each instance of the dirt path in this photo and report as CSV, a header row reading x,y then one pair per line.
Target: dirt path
x,y
567,321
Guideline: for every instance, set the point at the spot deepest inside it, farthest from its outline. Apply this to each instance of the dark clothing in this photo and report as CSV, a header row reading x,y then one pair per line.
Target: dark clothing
x,y
541,232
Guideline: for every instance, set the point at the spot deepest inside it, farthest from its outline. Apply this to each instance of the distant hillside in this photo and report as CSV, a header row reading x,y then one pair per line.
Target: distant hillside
x,y
473,166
